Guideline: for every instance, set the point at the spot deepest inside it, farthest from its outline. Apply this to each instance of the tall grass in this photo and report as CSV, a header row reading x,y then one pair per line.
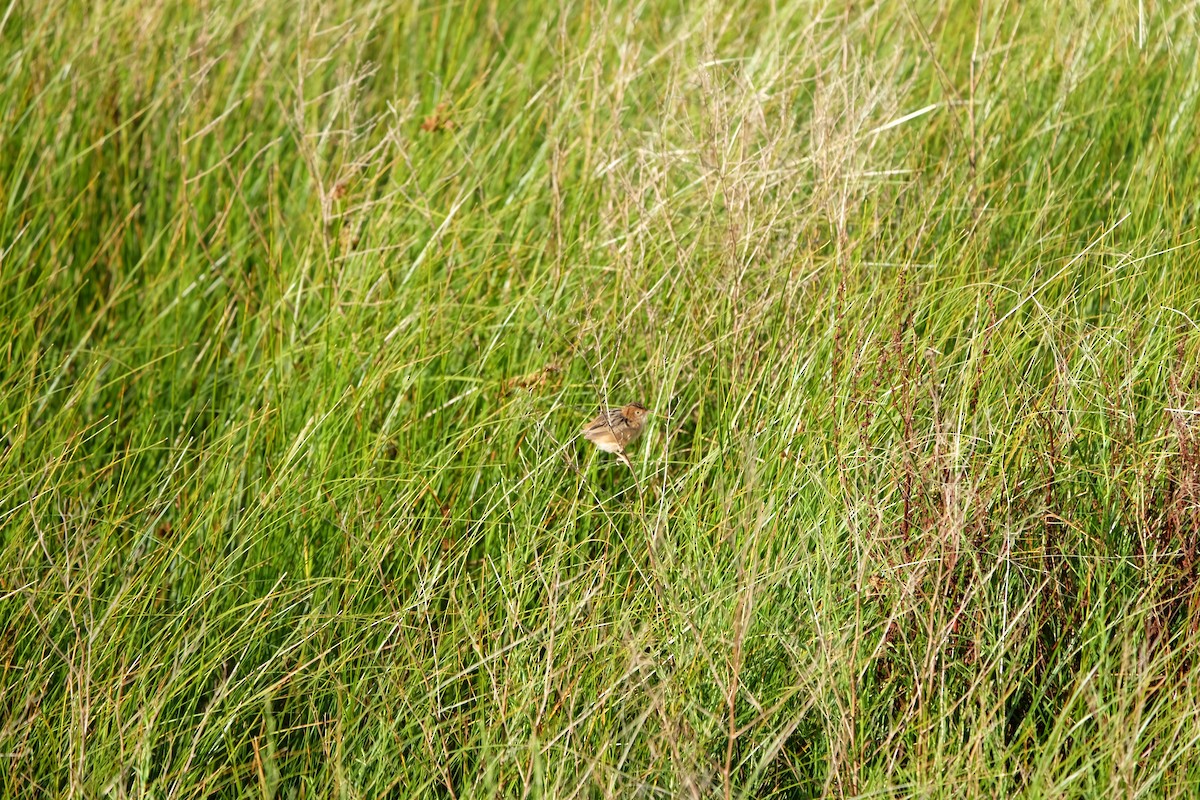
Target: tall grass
x,y
303,305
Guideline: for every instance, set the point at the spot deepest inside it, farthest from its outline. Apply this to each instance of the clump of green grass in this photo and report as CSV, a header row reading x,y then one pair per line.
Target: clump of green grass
x,y
304,307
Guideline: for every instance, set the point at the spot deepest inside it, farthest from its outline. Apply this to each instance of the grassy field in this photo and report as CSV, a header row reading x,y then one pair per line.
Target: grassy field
x,y
304,305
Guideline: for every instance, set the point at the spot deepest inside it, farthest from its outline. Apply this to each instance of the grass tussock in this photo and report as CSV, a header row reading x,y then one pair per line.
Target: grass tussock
x,y
303,306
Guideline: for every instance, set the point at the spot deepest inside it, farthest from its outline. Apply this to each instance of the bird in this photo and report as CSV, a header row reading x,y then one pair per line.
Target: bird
x,y
614,429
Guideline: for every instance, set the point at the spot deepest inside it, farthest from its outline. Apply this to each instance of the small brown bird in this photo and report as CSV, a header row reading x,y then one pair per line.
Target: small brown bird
x,y
616,428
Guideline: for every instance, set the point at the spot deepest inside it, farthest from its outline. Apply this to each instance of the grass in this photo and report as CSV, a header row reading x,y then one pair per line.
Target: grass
x,y
303,306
